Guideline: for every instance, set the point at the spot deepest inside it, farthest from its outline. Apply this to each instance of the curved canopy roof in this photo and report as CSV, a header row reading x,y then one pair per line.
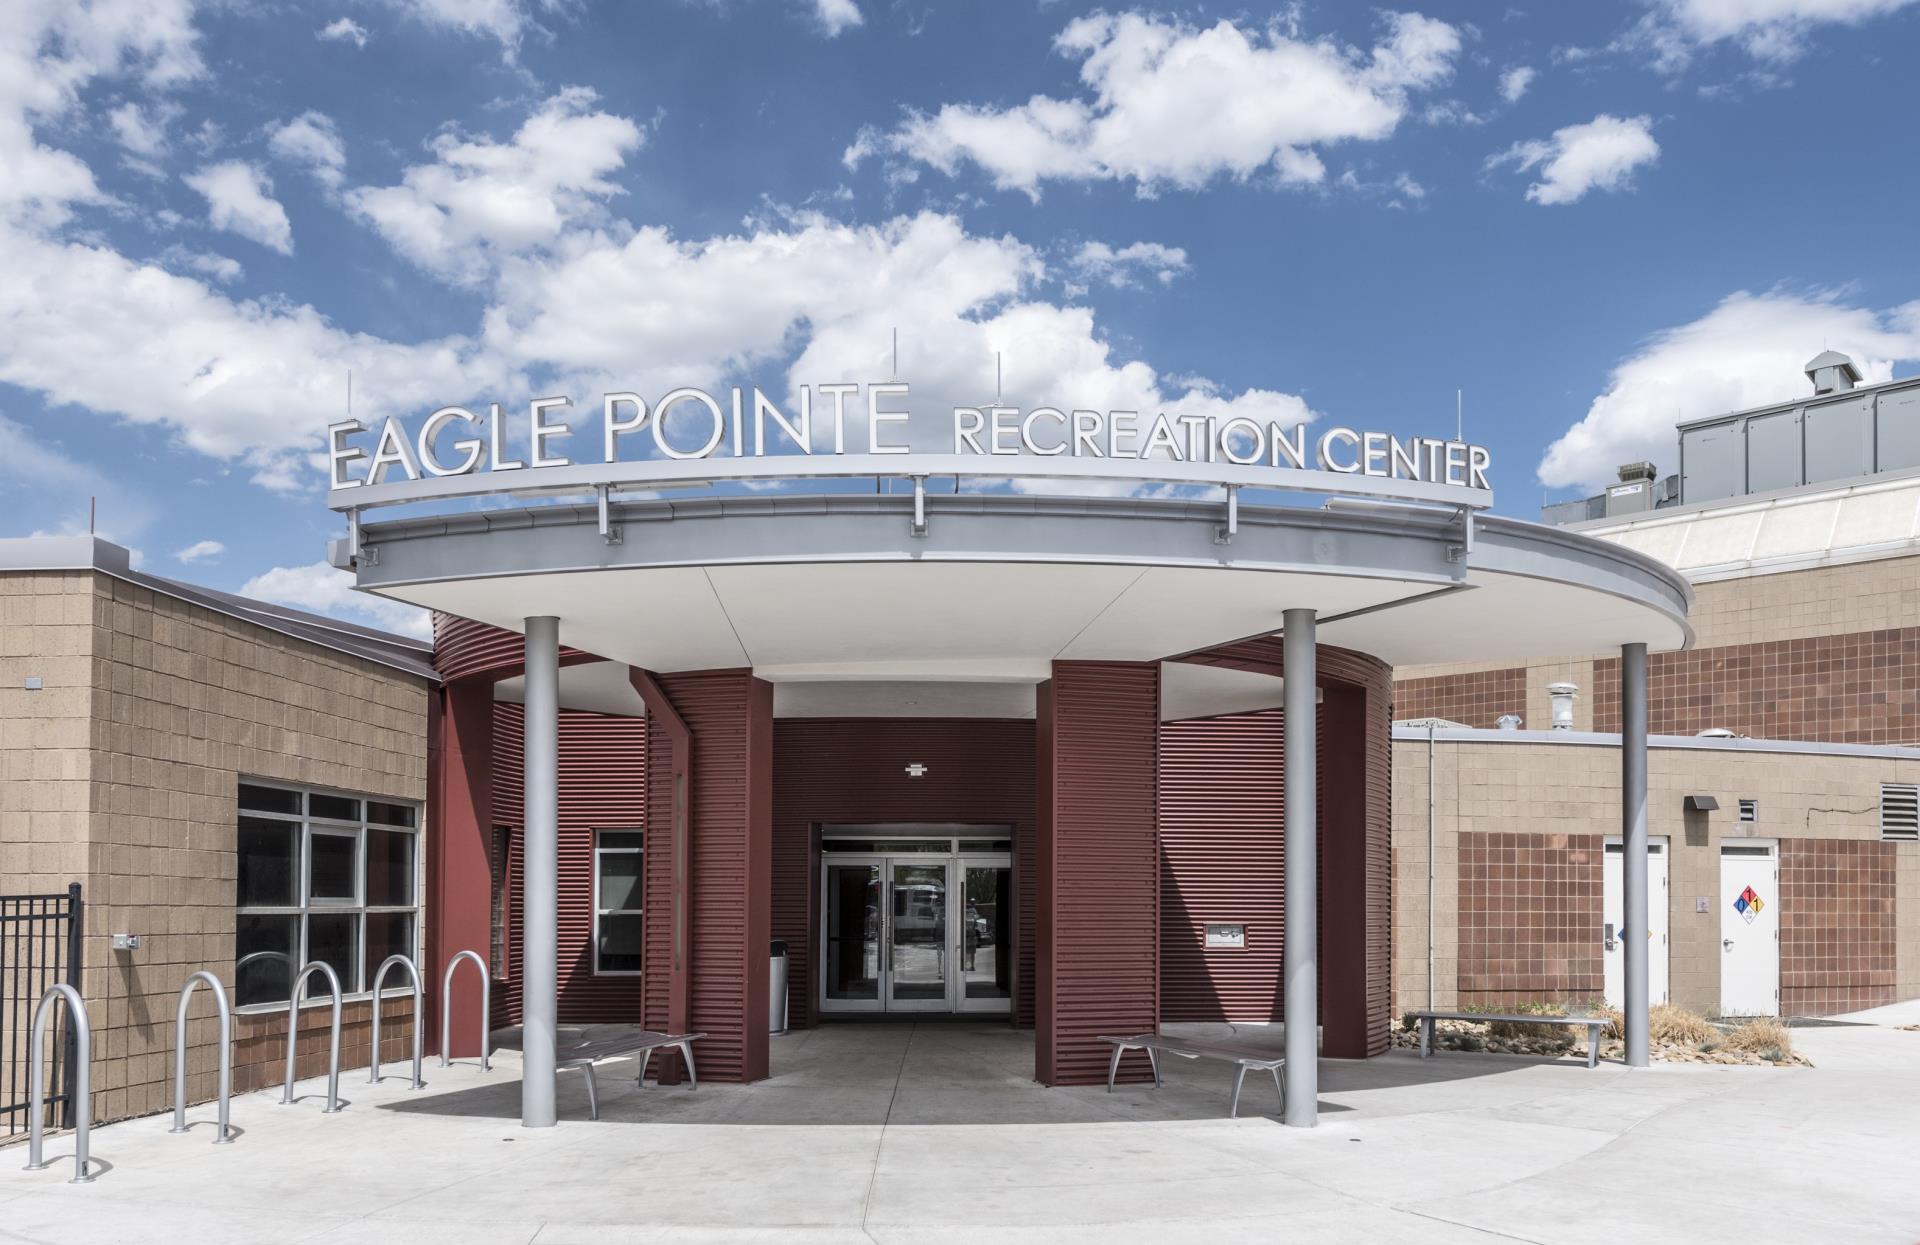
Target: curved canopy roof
x,y
999,586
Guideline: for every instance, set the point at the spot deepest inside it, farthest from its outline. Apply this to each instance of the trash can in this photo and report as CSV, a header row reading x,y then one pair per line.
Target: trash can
x,y
777,988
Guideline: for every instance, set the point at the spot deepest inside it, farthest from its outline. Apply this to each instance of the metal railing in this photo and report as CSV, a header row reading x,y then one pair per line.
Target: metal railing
x,y
224,1133
419,1019
82,1098
486,1008
293,1033
39,941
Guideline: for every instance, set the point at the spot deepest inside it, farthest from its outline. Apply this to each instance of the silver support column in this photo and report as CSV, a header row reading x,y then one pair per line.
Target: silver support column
x,y
1300,981
1633,835
539,969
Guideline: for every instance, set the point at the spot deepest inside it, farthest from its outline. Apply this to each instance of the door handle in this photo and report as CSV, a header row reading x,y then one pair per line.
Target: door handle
x,y
1610,940
1726,944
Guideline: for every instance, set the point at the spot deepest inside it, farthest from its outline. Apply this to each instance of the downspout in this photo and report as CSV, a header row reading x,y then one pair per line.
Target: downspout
x,y
1432,803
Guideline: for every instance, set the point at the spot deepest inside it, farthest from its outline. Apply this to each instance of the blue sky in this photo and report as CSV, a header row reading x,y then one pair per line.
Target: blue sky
x,y
1593,219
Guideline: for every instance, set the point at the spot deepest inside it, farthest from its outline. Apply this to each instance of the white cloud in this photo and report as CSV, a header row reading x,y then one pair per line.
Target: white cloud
x,y
312,141
1772,30
234,379
823,299
325,590
837,15
1122,267
343,30
481,200
1600,154
208,264
504,20
200,551
240,200
1514,82
1170,104
49,49
142,132
1747,351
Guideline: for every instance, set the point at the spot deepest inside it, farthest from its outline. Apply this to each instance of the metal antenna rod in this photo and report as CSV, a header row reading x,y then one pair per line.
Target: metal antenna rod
x,y
997,396
896,352
1459,416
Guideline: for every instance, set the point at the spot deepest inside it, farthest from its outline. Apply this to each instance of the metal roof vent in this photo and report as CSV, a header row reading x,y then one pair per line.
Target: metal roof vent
x,y
1831,372
1509,721
1637,471
1561,696
1716,732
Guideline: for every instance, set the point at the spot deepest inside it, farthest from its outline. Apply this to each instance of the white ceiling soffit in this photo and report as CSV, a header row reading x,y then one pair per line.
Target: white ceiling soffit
x,y
1507,618
595,686
893,621
1192,691
871,698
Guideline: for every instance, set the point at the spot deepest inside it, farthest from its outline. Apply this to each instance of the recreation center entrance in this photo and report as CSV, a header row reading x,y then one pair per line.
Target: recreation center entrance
x,y
916,919
1081,718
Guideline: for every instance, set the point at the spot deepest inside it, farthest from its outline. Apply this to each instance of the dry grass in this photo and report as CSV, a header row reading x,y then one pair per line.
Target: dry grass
x,y
1675,1025
1680,1026
1763,1035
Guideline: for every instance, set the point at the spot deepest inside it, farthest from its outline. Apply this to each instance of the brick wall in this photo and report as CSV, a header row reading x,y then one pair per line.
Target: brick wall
x,y
1529,909
1837,925
1475,698
1861,687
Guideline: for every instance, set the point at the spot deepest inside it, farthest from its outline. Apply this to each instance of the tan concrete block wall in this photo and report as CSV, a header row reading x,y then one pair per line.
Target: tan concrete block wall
x,y
187,701
123,772
1570,789
46,763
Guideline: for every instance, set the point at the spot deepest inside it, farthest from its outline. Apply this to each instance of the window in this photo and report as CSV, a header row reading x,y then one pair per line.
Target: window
x,y
617,890
1900,811
1750,810
321,876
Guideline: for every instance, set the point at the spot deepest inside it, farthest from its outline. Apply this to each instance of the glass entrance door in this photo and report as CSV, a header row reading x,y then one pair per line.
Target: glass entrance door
x,y
917,936
852,920
930,931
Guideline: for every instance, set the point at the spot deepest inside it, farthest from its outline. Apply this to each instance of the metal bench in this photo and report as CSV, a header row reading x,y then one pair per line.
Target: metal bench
x,y
641,1042
1198,1048
1594,1025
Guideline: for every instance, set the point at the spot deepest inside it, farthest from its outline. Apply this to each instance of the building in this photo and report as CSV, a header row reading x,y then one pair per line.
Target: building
x,y
1786,745
174,751
1092,762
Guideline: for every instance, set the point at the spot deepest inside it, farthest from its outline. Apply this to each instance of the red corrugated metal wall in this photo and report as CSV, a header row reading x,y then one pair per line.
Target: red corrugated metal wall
x,y
730,715
1356,859
853,770
464,649
1099,935
603,786
1222,858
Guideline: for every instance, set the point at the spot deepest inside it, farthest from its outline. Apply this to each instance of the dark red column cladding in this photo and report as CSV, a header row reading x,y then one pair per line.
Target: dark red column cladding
x,y
729,842
459,831
1098,952
1224,853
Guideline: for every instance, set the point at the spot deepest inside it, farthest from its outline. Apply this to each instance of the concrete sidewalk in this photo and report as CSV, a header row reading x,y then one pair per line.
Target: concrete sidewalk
x,y
933,1133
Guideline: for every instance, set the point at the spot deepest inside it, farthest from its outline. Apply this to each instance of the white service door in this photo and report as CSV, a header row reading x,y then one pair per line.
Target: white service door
x,y
1614,913
1749,929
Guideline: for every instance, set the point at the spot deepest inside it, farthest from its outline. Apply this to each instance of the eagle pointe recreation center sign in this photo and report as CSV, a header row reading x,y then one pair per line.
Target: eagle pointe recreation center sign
x,y
689,437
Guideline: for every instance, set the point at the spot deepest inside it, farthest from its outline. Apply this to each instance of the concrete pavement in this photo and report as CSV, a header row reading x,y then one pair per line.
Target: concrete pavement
x,y
934,1133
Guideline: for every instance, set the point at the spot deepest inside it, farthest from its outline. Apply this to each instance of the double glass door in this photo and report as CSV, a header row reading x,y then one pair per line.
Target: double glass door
x,y
922,933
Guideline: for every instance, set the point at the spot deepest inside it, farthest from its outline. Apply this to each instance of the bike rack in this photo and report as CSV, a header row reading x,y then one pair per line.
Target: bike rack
x,y
419,1019
82,1080
293,1034
224,1133
486,1008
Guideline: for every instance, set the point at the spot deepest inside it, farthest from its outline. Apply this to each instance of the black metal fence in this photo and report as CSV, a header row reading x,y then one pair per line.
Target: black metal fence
x,y
39,947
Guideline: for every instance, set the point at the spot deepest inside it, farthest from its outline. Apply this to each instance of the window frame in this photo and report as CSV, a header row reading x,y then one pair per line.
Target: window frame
x,y
599,912
303,826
